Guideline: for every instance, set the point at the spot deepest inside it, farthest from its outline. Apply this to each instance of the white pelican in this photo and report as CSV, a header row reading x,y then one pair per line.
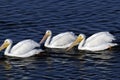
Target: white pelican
x,y
25,48
96,42
62,40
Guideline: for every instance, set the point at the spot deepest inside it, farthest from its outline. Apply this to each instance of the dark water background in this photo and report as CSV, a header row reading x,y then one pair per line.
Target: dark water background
x,y
23,19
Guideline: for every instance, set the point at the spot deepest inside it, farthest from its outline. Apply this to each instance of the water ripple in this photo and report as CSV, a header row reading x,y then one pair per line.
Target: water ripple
x,y
23,19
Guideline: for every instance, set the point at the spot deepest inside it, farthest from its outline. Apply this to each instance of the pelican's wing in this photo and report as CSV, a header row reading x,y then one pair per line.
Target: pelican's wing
x,y
24,46
30,53
63,39
99,38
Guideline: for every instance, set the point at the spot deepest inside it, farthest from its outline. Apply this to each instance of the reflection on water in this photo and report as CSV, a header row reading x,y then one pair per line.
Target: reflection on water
x,y
85,65
101,55
6,65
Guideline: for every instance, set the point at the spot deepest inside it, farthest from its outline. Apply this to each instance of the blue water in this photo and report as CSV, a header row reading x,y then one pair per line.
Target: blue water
x,y
23,19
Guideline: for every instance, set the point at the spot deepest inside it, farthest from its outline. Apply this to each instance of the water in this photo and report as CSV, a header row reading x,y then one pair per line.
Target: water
x,y
23,19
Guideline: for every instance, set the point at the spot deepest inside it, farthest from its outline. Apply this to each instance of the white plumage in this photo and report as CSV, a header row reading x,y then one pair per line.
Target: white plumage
x,y
96,42
62,40
25,48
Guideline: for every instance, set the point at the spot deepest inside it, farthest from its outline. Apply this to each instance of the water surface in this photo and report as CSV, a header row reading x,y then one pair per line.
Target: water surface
x,y
24,19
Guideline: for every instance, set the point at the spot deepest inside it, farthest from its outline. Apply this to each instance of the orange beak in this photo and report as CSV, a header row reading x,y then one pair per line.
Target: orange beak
x,y
3,46
44,38
76,42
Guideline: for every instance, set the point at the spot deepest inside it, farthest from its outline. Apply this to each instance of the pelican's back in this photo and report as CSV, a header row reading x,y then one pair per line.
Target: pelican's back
x,y
63,39
99,38
24,46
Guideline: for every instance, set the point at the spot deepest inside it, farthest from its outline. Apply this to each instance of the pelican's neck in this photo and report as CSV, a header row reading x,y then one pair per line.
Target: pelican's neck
x,y
7,51
81,44
47,42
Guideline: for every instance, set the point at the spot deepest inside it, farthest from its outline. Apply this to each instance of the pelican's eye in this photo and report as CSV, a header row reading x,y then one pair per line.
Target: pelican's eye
x,y
48,32
7,42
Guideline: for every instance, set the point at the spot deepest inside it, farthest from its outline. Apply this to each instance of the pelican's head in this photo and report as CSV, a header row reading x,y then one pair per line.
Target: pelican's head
x,y
6,43
47,34
77,41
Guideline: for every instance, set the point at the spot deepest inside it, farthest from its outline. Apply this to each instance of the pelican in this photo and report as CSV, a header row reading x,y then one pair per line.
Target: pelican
x,y
62,40
97,42
25,48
